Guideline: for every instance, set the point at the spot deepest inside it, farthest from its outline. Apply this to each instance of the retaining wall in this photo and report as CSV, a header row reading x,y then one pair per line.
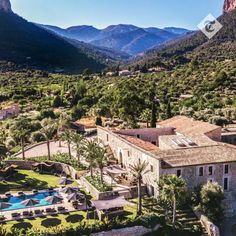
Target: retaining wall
x,y
58,167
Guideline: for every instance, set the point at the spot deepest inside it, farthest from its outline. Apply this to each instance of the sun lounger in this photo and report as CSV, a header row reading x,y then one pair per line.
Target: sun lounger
x,y
50,190
61,208
20,193
26,213
2,218
8,195
38,212
48,210
15,214
35,191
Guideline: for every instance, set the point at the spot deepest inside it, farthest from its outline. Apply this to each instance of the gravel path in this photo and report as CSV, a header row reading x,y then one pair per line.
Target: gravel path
x,y
41,150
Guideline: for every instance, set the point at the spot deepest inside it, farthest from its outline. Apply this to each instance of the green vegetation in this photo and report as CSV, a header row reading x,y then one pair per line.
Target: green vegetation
x,y
205,198
173,191
26,180
76,223
138,170
62,158
96,182
26,45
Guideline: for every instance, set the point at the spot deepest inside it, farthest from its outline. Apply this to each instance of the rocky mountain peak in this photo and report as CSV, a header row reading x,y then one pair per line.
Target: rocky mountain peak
x,y
229,5
5,6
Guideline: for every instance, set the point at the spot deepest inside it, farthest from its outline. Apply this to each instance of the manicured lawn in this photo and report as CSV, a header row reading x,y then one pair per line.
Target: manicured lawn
x,y
26,180
61,220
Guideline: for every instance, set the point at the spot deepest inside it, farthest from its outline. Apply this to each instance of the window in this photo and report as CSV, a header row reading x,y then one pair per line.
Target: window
x,y
154,142
139,161
151,168
200,171
178,173
210,170
128,153
107,137
226,183
226,169
138,136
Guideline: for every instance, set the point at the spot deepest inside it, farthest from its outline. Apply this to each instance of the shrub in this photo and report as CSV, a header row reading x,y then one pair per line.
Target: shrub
x,y
212,193
96,182
37,137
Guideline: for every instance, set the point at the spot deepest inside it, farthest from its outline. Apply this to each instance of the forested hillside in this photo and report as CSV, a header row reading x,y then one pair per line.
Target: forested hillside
x,y
25,44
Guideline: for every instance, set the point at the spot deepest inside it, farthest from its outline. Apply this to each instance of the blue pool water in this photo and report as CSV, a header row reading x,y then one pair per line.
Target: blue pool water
x,y
15,201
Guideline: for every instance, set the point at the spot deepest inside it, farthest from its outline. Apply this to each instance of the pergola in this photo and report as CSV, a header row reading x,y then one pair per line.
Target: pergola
x,y
117,202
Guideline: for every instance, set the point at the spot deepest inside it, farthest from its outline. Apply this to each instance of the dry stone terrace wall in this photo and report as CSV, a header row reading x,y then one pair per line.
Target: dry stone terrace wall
x,y
58,167
107,195
128,154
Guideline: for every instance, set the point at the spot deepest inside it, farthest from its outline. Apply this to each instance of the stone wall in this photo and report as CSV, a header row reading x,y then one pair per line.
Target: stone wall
x,y
211,228
127,154
229,138
93,191
133,191
191,175
58,167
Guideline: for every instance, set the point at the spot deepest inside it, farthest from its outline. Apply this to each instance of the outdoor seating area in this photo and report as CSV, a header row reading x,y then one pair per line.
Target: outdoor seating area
x,y
62,195
43,203
110,208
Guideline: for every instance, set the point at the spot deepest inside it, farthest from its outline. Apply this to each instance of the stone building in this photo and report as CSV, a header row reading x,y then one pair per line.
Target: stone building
x,y
9,112
180,146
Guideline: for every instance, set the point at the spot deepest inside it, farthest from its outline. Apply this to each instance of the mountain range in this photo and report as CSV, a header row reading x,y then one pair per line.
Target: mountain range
x,y
129,39
196,46
76,48
27,45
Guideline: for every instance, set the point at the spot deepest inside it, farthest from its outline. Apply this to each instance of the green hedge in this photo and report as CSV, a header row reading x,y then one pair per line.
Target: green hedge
x,y
96,182
62,158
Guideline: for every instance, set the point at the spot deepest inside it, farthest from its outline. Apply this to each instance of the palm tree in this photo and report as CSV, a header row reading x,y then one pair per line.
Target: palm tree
x,y
3,135
172,190
48,130
66,136
20,131
90,150
101,159
139,170
78,140
3,151
62,122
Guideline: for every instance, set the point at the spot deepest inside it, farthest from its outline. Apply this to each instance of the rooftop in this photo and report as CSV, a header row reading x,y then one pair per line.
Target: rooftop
x,y
147,146
147,134
188,126
183,141
220,153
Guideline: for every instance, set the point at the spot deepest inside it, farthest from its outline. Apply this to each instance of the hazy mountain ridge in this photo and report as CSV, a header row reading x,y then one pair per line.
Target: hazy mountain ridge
x,y
197,45
126,38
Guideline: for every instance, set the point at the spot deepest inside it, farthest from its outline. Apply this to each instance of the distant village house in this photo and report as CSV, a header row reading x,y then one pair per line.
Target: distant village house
x,y
9,112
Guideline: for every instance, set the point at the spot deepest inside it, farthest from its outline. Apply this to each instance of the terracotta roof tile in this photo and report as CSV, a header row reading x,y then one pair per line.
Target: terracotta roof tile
x,y
185,125
147,146
219,153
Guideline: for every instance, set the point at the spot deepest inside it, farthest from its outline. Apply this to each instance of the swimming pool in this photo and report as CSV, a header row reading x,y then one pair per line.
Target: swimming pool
x,y
16,200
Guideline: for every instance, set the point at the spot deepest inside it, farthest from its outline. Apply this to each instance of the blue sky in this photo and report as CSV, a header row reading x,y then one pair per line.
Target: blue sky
x,y
101,13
